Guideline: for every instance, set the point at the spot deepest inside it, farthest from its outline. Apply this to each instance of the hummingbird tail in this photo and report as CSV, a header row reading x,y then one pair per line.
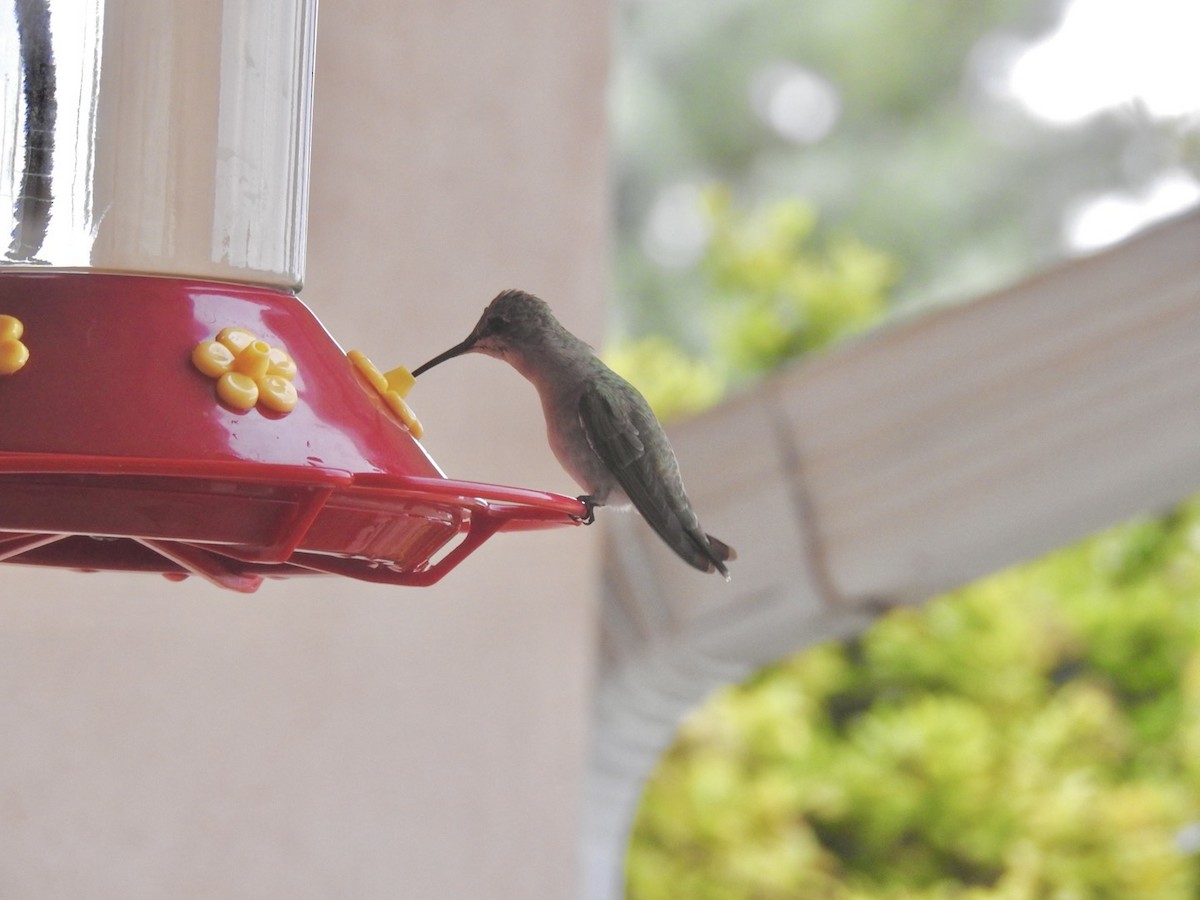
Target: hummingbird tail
x,y
721,549
719,554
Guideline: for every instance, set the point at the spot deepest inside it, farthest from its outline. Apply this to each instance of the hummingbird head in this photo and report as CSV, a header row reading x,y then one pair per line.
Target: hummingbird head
x,y
513,322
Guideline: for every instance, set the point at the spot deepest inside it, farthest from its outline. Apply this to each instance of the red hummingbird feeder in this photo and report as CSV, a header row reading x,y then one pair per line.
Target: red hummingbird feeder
x,y
168,408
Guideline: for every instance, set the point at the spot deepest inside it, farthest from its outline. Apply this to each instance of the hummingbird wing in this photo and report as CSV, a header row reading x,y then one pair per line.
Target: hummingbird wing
x,y
624,433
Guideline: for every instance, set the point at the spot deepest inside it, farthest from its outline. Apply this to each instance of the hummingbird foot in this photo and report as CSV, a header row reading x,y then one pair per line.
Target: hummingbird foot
x,y
590,505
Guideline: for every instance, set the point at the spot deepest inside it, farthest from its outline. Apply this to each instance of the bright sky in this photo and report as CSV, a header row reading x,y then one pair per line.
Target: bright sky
x,y
1112,53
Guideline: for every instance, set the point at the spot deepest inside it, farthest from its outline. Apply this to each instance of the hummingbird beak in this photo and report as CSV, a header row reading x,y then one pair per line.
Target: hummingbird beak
x,y
457,350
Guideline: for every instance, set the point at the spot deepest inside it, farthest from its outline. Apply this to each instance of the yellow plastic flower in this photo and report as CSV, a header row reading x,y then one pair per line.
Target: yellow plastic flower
x,y
13,354
392,387
248,371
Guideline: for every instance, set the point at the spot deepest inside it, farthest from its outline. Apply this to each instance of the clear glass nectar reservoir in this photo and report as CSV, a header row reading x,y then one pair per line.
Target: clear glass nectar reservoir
x,y
157,136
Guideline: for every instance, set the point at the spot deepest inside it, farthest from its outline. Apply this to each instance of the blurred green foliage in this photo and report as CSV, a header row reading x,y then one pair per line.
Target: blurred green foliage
x,y
779,291
1035,735
773,289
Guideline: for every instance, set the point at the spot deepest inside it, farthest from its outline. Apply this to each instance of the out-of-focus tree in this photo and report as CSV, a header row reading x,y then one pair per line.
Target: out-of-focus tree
x,y
779,291
896,121
1034,735
772,289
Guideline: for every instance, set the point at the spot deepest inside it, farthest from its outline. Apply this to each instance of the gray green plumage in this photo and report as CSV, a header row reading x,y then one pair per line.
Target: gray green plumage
x,y
600,428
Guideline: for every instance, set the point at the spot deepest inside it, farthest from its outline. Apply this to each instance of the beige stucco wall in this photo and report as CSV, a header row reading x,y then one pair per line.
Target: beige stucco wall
x,y
328,738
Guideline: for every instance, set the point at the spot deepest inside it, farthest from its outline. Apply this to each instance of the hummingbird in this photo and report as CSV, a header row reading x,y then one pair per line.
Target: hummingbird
x,y
600,427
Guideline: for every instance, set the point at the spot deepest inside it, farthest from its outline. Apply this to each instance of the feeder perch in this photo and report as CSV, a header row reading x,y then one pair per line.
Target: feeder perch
x,y
167,403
